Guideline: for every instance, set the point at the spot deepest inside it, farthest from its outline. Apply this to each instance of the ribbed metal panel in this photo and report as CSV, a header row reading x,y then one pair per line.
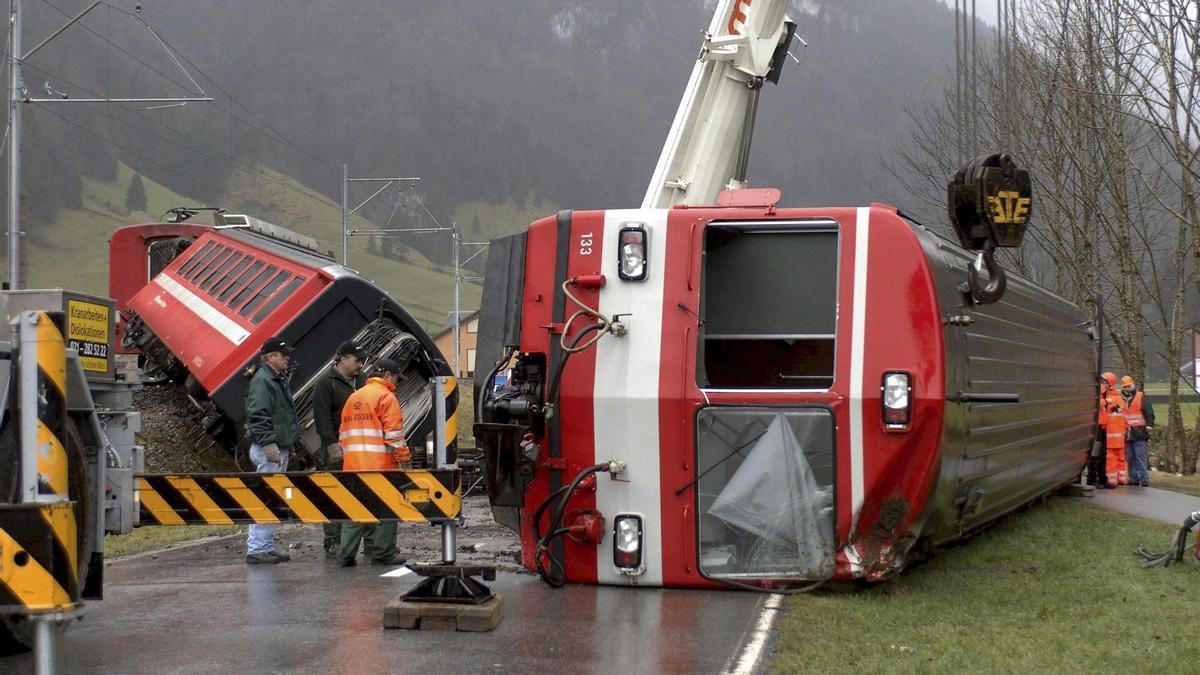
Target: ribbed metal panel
x,y
1033,343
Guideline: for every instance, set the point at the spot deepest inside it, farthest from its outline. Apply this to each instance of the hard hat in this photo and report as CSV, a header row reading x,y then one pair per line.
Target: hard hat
x,y
1109,377
1126,381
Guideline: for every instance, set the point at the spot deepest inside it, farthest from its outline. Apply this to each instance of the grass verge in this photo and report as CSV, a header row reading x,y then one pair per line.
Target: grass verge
x,y
1054,589
149,538
1189,485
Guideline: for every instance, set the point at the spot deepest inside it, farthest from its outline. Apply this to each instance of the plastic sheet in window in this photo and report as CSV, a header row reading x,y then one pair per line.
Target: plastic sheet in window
x,y
775,496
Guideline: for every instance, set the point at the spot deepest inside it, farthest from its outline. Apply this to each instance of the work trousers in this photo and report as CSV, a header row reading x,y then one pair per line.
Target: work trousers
x,y
380,540
1118,470
1096,472
333,531
261,538
1139,465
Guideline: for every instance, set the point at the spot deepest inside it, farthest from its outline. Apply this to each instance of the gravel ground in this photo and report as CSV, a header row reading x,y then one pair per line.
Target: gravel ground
x,y
172,435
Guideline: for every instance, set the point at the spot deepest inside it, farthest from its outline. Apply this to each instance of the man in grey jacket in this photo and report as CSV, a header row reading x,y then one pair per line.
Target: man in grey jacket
x,y
272,428
330,392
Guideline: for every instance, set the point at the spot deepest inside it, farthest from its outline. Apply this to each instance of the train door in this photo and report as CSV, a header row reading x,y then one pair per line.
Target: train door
x,y
765,457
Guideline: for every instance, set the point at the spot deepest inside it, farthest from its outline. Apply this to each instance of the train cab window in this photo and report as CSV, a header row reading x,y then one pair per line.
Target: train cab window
x,y
163,252
765,492
769,302
266,290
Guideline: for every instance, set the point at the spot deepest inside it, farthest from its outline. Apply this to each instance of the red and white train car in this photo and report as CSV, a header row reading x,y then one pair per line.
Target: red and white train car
x,y
743,394
198,302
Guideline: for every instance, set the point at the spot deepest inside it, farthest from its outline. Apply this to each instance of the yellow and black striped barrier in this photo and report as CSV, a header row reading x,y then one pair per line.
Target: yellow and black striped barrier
x,y
319,497
451,389
49,350
39,568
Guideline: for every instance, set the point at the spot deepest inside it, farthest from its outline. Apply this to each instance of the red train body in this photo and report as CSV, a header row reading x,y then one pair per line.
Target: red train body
x,y
208,298
741,407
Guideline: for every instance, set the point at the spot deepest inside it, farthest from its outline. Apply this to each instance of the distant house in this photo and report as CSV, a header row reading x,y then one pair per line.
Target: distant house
x,y
468,332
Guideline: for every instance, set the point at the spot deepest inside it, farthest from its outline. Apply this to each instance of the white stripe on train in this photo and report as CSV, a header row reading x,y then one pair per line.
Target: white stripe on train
x,y
625,394
200,307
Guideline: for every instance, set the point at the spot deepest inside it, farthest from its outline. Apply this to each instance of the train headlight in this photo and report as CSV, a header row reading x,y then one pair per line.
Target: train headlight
x,y
631,252
627,543
897,399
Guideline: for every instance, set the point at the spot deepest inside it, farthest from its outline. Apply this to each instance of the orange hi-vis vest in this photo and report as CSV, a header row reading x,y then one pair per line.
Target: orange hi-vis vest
x,y
1114,427
1133,413
372,427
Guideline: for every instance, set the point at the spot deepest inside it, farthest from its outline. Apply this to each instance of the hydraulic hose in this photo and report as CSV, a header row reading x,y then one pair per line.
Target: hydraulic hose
x,y
558,501
1174,554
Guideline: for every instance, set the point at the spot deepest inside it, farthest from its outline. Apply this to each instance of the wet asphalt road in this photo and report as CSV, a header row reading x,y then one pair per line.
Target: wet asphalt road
x,y
1145,502
202,610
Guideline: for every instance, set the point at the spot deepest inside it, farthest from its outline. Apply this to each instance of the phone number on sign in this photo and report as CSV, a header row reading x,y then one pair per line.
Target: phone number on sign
x,y
90,349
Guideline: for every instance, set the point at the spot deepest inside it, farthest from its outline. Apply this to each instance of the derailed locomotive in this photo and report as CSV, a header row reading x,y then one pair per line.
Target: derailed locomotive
x,y
197,302
776,395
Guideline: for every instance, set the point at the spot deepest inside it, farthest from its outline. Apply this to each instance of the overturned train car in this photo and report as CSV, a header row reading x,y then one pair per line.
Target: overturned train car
x,y
197,302
752,395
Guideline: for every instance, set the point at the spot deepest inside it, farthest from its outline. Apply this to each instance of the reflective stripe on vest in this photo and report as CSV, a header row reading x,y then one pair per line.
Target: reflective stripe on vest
x,y
1133,414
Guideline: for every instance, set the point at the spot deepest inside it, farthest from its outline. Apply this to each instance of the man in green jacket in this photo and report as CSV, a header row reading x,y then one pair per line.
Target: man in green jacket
x,y
272,429
330,392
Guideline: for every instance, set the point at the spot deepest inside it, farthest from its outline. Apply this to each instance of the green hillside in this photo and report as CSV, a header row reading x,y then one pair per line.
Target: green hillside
x,y
72,252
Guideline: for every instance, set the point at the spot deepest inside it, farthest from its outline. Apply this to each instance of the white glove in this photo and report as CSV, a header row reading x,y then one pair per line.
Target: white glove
x,y
334,452
271,450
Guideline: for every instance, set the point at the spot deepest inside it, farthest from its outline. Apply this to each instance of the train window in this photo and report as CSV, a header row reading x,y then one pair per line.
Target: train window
x,y
765,492
769,301
239,283
163,252
219,273
196,259
219,254
267,289
231,278
253,286
277,300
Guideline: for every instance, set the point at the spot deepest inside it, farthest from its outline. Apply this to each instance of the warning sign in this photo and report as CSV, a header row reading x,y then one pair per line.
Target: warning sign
x,y
88,333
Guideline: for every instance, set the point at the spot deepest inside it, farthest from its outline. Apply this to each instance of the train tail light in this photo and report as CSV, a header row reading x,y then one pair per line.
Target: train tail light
x,y
897,399
627,543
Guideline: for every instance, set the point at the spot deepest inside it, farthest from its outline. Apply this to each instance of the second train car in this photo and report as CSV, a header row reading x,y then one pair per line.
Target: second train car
x,y
197,302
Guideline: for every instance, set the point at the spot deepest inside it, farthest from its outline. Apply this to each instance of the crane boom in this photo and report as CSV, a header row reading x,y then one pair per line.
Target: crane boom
x,y
709,143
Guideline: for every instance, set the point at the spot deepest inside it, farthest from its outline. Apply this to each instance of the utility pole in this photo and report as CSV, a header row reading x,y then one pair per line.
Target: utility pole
x,y
17,96
458,278
347,212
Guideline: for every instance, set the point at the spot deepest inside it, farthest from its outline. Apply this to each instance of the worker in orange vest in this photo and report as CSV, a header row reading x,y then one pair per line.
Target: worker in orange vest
x,y
1114,433
1097,474
1139,416
372,439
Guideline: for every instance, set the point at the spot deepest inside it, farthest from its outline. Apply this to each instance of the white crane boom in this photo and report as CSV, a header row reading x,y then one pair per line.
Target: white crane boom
x,y
709,142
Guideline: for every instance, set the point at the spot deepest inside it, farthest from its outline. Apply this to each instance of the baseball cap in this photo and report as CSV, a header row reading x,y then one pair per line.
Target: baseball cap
x,y
348,348
387,366
277,344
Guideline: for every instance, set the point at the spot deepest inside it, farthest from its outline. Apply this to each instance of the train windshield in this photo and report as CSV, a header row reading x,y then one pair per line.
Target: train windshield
x,y
769,302
766,497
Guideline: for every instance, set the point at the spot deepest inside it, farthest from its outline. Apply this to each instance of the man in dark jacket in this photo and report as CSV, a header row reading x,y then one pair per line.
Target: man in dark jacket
x,y
330,392
1139,418
272,428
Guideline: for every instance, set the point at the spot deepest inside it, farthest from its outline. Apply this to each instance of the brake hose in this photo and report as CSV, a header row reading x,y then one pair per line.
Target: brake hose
x,y
563,496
